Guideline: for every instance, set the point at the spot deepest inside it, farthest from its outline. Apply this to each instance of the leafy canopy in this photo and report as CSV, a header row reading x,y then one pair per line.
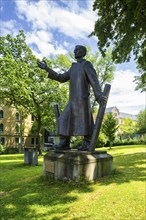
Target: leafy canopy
x,y
122,24
128,126
24,85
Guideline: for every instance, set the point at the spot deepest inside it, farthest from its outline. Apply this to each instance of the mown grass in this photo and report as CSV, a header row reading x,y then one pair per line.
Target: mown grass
x,y
27,195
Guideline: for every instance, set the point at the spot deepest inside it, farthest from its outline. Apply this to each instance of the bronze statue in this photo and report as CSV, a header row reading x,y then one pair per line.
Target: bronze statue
x,y
77,119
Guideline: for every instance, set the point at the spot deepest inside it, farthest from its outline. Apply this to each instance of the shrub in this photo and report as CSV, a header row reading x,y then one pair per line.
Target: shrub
x,y
11,150
2,149
76,141
129,141
102,140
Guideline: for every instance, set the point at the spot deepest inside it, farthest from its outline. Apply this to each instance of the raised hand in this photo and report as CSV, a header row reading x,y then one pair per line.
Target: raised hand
x,y
42,64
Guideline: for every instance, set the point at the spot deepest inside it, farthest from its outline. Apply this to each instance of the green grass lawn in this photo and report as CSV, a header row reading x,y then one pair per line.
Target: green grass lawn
x,y
27,195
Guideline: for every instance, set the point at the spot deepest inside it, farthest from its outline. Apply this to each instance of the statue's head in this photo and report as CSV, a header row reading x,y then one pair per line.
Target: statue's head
x,y
80,51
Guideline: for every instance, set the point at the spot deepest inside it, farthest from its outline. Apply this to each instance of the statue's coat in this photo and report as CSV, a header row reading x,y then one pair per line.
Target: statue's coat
x,y
77,119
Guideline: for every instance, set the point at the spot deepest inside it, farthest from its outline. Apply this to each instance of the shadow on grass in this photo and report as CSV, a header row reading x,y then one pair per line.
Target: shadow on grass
x,y
51,198
130,167
27,194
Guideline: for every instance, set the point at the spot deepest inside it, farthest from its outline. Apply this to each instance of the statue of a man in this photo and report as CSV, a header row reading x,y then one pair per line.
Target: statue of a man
x,y
77,119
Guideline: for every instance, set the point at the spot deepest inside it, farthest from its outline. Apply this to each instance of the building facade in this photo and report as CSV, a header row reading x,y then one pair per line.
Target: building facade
x,y
15,131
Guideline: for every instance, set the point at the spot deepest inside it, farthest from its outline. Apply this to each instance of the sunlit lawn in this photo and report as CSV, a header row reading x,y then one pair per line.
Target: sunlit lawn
x,y
27,195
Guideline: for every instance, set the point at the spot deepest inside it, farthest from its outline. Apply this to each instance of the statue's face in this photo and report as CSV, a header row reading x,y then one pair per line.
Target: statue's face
x,y
78,52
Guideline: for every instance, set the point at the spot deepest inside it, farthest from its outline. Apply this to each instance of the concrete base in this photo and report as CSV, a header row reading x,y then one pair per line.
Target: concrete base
x,y
76,165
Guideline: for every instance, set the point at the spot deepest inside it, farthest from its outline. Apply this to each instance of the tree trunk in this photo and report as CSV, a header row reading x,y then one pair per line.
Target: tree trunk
x,y
39,135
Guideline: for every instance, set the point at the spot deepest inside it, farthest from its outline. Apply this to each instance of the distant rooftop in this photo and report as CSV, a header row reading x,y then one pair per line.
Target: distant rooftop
x,y
126,115
121,114
110,109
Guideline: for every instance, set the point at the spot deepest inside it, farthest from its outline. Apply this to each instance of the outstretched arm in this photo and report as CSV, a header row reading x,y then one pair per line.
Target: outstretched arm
x,y
52,74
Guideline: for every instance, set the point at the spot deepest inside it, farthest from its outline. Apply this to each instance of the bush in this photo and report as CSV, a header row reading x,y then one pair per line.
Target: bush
x,y
129,141
2,149
76,141
102,140
8,150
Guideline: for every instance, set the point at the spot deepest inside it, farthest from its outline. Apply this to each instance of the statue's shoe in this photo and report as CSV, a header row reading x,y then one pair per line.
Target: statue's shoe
x,y
61,147
83,148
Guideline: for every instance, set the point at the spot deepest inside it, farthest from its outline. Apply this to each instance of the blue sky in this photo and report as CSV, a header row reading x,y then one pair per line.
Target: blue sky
x,y
55,27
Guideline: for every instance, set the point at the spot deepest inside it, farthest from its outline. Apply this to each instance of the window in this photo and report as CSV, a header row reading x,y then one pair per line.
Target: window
x,y
2,140
32,117
32,141
17,116
1,114
37,141
17,128
1,127
17,140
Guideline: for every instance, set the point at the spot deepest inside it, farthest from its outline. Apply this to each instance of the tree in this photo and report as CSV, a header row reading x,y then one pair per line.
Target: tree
x,y
26,86
23,84
127,127
141,122
104,68
122,25
109,127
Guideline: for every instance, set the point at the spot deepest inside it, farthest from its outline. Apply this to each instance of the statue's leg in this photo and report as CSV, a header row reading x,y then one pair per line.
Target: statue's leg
x,y
64,143
85,143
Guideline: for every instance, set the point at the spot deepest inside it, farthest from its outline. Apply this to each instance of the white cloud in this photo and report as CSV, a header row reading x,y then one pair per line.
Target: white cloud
x,y
43,40
9,27
47,15
71,5
123,94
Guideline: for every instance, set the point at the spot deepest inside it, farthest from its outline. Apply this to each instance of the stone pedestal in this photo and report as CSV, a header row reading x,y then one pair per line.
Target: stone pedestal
x,y
76,165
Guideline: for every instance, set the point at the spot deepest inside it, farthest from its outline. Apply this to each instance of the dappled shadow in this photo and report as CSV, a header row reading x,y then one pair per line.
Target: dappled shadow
x,y
27,190
30,195
130,167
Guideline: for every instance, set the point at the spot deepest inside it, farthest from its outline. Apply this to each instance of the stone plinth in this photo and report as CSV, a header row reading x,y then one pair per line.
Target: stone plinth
x,y
75,164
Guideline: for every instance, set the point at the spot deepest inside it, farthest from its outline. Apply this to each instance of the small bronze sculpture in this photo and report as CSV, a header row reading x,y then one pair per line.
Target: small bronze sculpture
x,y
77,119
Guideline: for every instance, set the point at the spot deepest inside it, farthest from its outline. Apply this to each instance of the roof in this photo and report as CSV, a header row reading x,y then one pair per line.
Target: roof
x,y
121,114
126,115
107,110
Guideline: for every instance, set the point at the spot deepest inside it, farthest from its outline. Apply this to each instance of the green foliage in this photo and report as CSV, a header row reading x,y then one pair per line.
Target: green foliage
x,y
2,149
129,141
128,126
24,85
102,140
122,25
62,62
8,150
104,67
109,127
76,141
140,82
141,122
